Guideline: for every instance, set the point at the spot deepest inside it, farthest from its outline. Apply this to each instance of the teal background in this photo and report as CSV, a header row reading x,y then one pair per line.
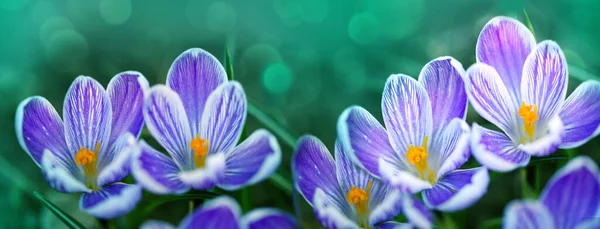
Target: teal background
x,y
300,61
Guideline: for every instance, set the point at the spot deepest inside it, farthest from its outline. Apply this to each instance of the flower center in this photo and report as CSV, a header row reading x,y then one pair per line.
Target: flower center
x,y
87,159
417,156
529,115
200,148
360,199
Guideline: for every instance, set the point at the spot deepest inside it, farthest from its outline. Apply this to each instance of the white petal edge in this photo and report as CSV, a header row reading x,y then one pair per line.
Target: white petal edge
x,y
332,214
60,177
116,203
413,215
261,213
543,146
573,164
118,164
222,201
141,176
468,195
490,160
215,167
156,224
460,149
401,179
392,201
510,219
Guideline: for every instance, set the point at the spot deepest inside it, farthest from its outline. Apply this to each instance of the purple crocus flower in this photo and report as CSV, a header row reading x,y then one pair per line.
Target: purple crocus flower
x,y
224,213
571,199
90,152
425,140
198,118
520,87
344,195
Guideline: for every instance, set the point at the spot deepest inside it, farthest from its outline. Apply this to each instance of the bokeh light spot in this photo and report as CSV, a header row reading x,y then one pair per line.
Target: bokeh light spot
x,y
289,11
277,78
398,19
13,5
314,11
42,11
260,55
350,68
52,26
115,12
67,50
220,17
364,28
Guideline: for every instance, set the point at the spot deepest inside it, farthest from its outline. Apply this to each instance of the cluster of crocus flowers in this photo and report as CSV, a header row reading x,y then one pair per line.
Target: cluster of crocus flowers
x,y
91,150
520,87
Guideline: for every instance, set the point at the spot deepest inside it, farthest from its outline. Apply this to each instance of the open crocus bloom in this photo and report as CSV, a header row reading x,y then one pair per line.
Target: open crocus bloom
x,y
198,118
425,140
91,150
224,213
521,87
571,199
344,195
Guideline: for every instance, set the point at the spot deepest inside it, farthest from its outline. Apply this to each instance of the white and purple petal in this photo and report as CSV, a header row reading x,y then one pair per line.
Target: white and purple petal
x,y
330,214
123,149
458,189
573,194
385,203
156,172
255,159
450,149
580,114
393,225
224,117
266,218
218,213
527,214
194,75
416,213
156,224
59,177
167,121
126,92
111,201
495,150
548,140
207,177
401,179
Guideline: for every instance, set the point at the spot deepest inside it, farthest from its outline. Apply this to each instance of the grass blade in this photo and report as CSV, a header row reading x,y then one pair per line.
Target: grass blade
x,y
528,22
279,181
64,217
277,129
228,64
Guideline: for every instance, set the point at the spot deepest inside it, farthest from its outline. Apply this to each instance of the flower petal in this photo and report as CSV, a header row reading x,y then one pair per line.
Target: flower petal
x,y
458,189
266,218
442,78
545,80
194,75
505,43
416,213
573,193
365,140
526,214
207,177
313,168
88,117
252,161
589,224
400,179
111,201
393,225
166,119
126,92
450,149
386,203
218,213
580,114
120,166
496,151
156,172
547,143
406,112
156,224
39,127
329,213
224,117
59,177
490,98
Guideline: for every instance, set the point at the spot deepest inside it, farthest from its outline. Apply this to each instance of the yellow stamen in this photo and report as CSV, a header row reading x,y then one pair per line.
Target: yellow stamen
x,y
200,148
360,199
529,115
417,155
87,158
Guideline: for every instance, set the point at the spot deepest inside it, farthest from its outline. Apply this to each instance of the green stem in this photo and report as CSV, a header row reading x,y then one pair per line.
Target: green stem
x,y
525,188
571,153
275,127
538,172
280,181
191,206
245,199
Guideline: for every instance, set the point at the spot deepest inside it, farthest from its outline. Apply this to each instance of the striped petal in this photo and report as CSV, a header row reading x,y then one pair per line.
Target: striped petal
x,y
266,218
112,201
526,215
218,213
458,189
580,115
496,151
156,172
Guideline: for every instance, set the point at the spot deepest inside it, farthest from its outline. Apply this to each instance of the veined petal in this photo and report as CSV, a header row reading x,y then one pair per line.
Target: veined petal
x,y
252,161
450,149
111,201
314,168
526,214
580,114
59,177
442,78
119,168
406,111
266,218
504,43
39,127
126,92
156,224
166,119
458,189
224,117
218,213
194,75
329,213
207,177
88,117
156,172
416,213
589,224
547,143
545,80
490,98
393,225
573,194
387,203
365,140
400,179
496,151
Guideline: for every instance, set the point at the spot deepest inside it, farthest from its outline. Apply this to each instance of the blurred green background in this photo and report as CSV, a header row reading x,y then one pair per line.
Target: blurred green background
x,y
301,61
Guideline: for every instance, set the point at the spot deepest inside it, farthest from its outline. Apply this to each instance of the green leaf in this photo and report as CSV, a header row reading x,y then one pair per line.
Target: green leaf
x,y
228,64
190,196
528,22
546,160
277,129
279,181
491,223
64,217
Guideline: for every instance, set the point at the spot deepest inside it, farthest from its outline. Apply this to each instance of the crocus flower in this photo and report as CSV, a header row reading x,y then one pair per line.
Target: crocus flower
x,y
425,140
224,213
571,199
344,195
198,118
90,152
520,87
